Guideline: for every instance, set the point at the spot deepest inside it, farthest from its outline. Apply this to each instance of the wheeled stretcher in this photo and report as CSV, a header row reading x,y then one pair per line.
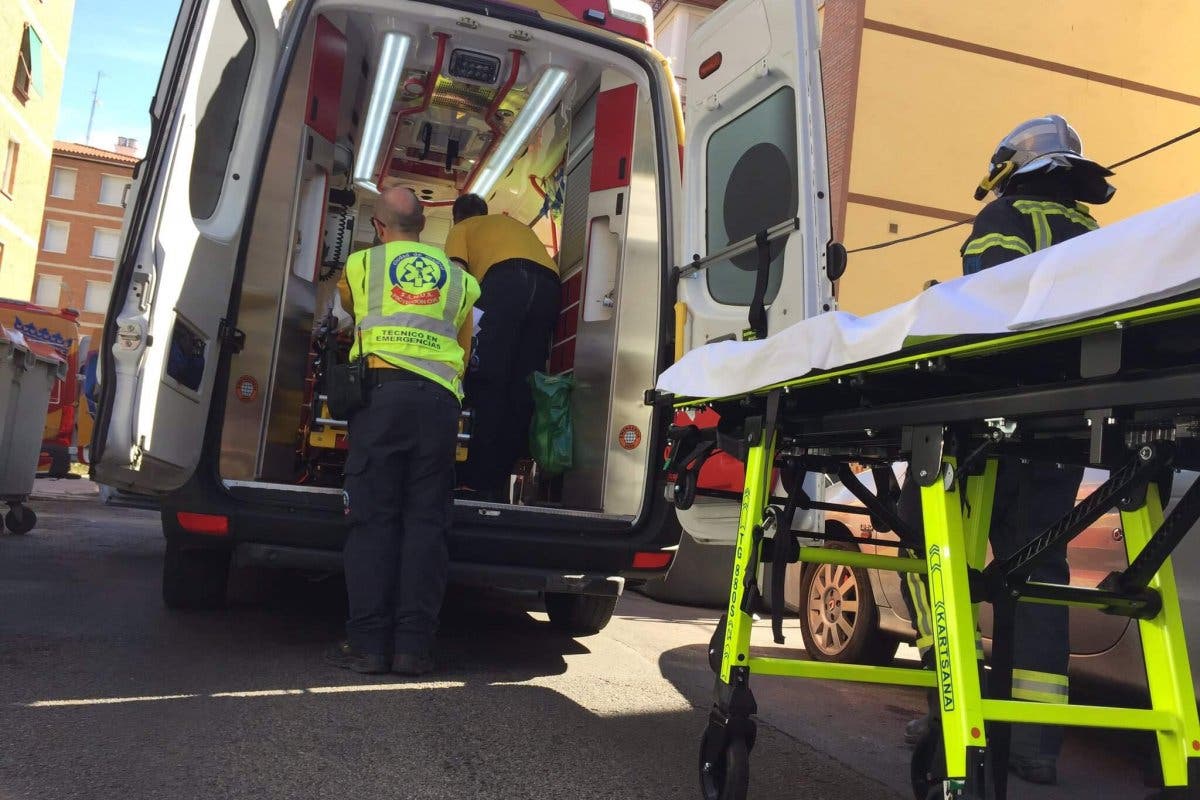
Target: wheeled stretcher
x,y
1076,355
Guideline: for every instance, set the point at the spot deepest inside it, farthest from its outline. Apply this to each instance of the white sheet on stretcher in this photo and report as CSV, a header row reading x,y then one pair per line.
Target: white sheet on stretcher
x,y
1148,257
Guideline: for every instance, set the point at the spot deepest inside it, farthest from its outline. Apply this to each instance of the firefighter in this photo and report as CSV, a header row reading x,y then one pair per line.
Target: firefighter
x,y
1041,180
412,314
520,302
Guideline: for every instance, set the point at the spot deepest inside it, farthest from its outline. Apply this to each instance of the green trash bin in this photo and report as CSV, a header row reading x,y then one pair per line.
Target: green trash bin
x,y
28,371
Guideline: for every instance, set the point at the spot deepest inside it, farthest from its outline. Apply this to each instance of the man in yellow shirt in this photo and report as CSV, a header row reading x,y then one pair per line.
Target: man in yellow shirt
x,y
412,313
520,301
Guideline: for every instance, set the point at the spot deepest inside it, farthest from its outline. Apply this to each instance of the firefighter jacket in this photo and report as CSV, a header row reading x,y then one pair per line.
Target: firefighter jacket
x,y
1019,224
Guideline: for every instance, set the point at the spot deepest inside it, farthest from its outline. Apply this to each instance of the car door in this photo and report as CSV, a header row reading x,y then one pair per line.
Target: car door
x,y
753,160
180,243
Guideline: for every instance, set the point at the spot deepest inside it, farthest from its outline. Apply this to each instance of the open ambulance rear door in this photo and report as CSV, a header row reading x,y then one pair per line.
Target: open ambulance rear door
x,y
183,231
755,186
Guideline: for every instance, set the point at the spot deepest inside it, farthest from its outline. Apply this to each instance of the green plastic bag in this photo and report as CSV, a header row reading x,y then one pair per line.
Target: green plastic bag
x,y
551,433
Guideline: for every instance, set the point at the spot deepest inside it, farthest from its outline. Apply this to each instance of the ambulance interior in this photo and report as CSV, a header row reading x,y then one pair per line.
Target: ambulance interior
x,y
553,131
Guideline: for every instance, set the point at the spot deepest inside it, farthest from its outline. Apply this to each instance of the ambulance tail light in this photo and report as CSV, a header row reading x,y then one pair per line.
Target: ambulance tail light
x,y
635,11
655,559
203,524
710,65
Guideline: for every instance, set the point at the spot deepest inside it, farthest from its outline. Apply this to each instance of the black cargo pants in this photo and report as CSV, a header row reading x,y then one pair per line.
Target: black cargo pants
x,y
399,495
520,301
1030,497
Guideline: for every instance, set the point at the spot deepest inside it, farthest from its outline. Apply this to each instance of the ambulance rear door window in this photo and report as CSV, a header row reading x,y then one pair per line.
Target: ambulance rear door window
x,y
751,185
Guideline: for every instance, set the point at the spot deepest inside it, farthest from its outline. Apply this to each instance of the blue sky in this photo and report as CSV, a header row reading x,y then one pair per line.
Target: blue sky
x,y
126,40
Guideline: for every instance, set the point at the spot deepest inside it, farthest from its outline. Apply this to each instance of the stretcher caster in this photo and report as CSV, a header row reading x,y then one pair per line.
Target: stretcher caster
x,y
725,766
716,645
20,519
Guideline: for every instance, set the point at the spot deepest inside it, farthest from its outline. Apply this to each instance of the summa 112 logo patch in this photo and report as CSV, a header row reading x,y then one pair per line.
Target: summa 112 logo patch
x,y
417,279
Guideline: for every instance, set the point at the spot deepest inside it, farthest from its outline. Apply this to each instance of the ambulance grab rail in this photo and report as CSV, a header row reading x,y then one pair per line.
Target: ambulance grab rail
x,y
774,232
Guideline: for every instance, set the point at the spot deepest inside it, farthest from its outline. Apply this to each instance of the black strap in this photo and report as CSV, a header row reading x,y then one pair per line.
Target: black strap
x,y
758,309
781,554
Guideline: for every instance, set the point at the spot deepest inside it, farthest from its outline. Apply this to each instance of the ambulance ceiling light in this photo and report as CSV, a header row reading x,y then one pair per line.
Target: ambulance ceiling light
x,y
545,94
392,54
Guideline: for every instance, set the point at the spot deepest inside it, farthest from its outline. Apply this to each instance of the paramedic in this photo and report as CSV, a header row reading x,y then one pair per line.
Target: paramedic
x,y
520,303
412,312
1040,179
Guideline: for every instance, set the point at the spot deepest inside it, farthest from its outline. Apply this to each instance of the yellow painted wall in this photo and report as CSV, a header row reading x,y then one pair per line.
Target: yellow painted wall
x,y
31,124
929,116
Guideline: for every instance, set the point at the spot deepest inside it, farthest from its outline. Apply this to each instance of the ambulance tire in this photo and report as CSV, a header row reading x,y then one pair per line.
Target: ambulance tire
x,y
195,578
579,614
729,777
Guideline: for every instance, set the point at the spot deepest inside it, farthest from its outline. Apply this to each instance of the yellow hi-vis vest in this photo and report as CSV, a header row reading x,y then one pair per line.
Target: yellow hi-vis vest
x,y
410,300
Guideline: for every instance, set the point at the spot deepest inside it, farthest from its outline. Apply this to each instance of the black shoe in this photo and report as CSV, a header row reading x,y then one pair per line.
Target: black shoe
x,y
1035,770
412,665
916,730
344,656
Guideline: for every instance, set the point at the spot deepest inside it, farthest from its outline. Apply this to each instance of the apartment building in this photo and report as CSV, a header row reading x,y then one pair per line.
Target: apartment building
x,y
85,201
34,35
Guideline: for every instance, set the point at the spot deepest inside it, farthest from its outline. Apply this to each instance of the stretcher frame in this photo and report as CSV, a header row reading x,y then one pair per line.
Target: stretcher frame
x,y
1132,406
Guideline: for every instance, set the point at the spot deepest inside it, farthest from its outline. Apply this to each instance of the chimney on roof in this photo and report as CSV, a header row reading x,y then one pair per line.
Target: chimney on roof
x,y
126,146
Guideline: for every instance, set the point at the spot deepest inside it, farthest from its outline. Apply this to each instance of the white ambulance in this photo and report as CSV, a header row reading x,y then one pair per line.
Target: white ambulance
x,y
273,127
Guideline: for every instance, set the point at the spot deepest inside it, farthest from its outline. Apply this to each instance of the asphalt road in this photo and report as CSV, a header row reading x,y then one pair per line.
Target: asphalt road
x,y
106,694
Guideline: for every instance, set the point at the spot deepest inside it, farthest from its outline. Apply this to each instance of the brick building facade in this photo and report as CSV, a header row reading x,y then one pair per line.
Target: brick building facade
x,y
84,206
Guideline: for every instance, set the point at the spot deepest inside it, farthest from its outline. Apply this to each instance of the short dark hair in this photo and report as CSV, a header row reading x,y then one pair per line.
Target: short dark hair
x,y
469,205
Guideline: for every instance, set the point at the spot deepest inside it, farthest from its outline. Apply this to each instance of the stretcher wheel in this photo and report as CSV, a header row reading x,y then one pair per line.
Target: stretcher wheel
x,y
716,645
924,765
20,519
684,491
727,778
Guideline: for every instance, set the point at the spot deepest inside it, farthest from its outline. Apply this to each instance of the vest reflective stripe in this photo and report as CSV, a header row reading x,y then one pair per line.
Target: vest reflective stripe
x,y
1039,687
397,327
990,240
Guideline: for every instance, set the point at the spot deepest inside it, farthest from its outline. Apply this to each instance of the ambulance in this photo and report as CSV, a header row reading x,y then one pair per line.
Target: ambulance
x,y
274,126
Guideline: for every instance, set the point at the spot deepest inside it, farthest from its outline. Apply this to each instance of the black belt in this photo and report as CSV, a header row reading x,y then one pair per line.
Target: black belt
x,y
380,375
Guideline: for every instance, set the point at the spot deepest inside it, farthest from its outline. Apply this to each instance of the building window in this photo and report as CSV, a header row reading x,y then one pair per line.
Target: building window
x,y
29,65
62,183
112,190
8,179
95,297
104,244
54,240
49,290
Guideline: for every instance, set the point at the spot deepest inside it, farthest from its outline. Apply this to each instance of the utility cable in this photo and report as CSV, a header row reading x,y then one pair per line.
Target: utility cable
x,y
922,235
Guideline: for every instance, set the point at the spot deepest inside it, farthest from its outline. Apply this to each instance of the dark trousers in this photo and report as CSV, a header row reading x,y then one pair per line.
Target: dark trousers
x,y
1029,498
399,487
520,301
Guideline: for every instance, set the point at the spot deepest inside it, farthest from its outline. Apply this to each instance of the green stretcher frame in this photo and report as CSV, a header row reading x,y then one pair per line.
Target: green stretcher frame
x,y
956,539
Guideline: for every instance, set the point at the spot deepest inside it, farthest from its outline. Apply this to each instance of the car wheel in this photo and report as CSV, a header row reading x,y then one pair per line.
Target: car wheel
x,y
838,616
579,614
195,578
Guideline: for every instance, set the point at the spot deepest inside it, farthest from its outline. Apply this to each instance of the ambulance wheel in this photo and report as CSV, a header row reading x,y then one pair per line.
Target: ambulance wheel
x,y
579,614
716,645
20,519
727,778
195,578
